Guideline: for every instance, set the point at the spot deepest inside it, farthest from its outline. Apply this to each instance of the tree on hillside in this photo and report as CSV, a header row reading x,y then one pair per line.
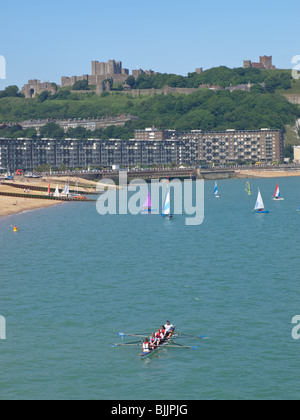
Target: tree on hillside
x,y
78,133
11,92
81,85
130,81
43,96
52,130
289,152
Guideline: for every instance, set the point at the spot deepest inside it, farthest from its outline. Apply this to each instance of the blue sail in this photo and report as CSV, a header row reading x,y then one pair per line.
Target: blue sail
x,y
216,192
166,207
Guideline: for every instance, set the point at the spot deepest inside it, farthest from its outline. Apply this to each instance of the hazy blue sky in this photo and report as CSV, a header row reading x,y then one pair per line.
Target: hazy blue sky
x,y
47,40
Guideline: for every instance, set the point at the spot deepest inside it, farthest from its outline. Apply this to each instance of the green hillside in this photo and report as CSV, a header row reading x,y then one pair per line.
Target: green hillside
x,y
222,76
294,90
203,109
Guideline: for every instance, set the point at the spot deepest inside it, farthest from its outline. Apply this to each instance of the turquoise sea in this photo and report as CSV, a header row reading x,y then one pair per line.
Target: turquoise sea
x,y
71,279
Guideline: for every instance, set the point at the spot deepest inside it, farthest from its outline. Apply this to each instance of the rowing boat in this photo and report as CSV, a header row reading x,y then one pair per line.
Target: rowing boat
x,y
163,344
167,342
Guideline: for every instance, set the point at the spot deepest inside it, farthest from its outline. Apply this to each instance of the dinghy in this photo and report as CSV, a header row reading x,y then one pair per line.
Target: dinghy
x,y
166,212
147,206
216,191
276,196
259,205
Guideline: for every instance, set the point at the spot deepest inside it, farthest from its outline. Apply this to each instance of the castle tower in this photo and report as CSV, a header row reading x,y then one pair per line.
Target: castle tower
x,y
266,61
247,64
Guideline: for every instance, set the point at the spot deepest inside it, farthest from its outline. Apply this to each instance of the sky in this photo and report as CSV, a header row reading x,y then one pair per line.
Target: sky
x,y
47,40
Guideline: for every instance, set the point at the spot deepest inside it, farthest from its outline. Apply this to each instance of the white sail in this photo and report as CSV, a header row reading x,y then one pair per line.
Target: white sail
x,y
56,194
259,205
66,190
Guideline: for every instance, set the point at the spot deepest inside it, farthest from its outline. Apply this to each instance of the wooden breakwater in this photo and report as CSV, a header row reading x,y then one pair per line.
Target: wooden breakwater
x,y
44,197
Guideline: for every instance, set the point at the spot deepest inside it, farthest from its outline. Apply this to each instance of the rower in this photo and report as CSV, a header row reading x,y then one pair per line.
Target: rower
x,y
169,329
146,346
152,341
158,337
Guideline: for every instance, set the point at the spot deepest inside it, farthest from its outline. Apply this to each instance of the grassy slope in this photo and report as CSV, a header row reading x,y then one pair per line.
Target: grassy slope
x,y
295,90
20,109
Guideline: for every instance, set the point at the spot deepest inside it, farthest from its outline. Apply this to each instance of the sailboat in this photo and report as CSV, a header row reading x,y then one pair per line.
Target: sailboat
x,y
259,205
66,190
276,196
147,206
56,194
166,212
216,192
248,188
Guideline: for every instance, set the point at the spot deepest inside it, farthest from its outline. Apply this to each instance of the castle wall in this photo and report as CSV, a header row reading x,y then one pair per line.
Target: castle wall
x,y
35,87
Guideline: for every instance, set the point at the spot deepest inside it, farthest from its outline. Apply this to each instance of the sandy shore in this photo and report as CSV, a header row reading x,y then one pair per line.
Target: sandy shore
x,y
11,205
255,173
14,205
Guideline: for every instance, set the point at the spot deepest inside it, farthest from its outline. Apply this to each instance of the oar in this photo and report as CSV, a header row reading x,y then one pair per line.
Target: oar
x,y
133,343
184,347
121,344
193,336
121,334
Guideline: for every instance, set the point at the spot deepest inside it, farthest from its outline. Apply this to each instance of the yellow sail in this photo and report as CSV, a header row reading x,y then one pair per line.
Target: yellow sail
x,y
248,188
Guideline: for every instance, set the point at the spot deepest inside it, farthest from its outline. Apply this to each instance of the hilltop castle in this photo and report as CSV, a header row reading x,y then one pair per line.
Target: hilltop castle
x,y
102,72
105,73
265,63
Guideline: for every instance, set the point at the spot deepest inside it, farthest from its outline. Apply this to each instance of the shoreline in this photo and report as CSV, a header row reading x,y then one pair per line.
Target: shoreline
x,y
21,210
10,206
261,173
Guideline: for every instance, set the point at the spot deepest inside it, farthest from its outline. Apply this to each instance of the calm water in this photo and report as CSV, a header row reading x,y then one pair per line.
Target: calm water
x,y
70,279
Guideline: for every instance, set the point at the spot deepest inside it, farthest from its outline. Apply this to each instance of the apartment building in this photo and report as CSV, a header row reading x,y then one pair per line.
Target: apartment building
x,y
231,145
159,148
235,145
27,154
